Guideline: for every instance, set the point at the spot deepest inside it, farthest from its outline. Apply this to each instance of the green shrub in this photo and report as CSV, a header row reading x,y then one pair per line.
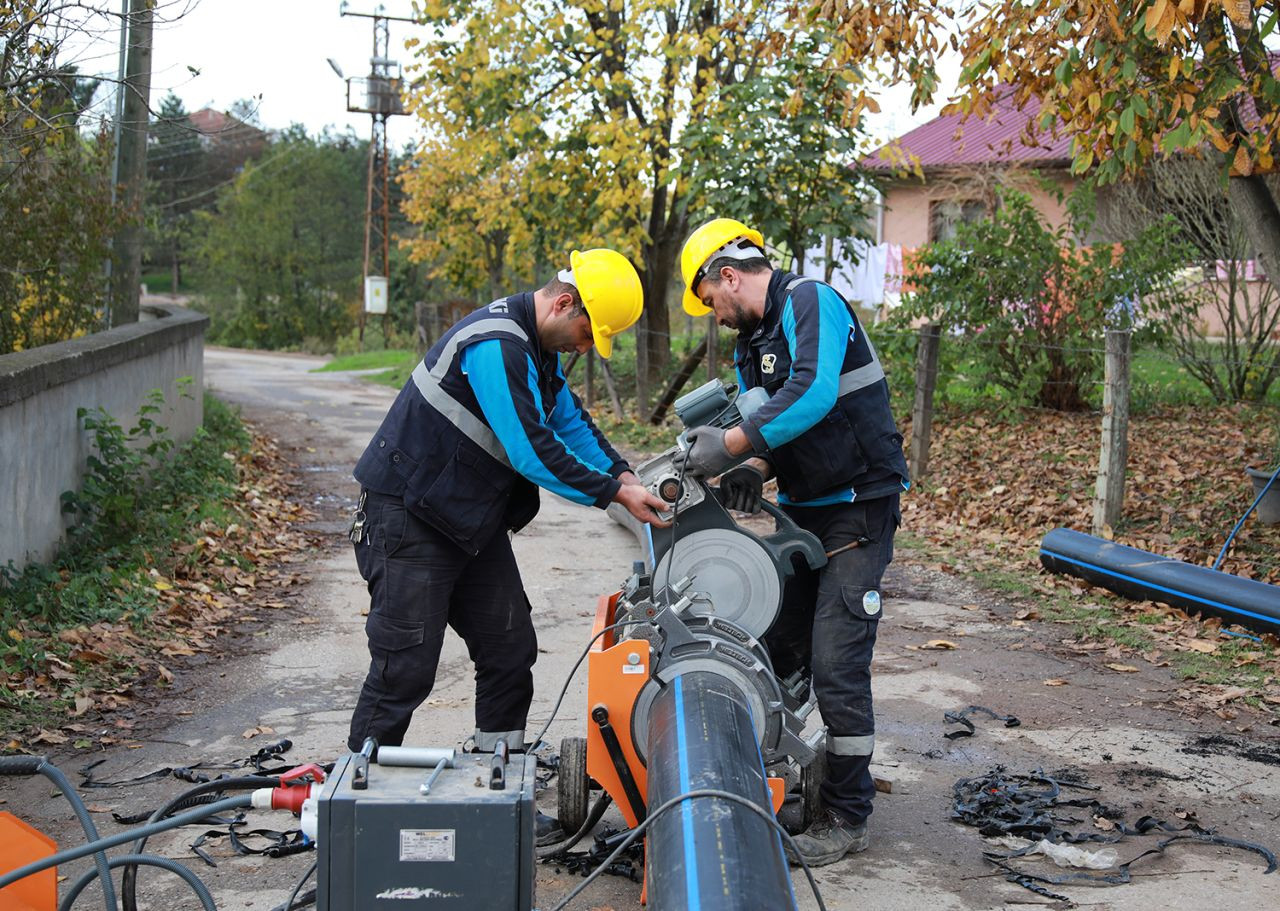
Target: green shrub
x,y
1031,303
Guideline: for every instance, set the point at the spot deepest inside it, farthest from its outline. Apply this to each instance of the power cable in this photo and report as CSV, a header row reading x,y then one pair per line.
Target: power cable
x,y
537,741
293,896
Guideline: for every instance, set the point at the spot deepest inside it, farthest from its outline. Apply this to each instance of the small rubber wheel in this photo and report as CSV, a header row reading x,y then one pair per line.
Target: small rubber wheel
x,y
811,777
574,786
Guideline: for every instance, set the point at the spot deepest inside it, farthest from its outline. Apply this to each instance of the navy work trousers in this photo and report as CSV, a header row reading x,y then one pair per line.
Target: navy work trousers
x,y
420,582
827,628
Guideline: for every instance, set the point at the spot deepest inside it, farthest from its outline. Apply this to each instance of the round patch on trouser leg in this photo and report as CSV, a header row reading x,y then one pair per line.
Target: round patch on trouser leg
x,y
871,603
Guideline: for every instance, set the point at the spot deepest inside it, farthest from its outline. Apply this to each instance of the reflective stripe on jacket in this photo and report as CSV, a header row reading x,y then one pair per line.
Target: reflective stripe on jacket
x,y
466,453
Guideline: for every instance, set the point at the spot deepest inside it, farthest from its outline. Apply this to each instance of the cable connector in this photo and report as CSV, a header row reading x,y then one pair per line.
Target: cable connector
x,y
296,785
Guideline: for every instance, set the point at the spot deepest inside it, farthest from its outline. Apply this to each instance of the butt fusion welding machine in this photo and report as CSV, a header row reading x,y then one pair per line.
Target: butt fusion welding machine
x,y
681,696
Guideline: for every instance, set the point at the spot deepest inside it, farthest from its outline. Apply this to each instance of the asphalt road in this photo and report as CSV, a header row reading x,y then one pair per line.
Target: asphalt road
x,y
300,678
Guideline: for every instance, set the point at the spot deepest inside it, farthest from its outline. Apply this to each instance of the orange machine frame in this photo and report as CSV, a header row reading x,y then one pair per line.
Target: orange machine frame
x,y
20,844
616,672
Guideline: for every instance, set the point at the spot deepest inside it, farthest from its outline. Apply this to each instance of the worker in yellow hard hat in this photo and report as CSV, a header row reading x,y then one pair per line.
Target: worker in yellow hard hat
x,y
486,419
827,434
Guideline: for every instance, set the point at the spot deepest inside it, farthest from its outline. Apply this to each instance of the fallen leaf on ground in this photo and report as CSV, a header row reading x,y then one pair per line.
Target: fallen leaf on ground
x,y
1201,645
254,732
1056,681
940,644
1123,668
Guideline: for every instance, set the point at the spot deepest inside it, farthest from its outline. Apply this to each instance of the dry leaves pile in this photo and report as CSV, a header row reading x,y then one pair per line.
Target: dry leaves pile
x,y
997,485
202,593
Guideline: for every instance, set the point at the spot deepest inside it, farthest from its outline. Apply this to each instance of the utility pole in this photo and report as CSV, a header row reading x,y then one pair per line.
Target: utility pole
x,y
132,153
381,89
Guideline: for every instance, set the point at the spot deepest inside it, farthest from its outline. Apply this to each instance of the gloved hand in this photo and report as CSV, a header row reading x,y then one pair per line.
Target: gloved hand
x,y
740,488
707,454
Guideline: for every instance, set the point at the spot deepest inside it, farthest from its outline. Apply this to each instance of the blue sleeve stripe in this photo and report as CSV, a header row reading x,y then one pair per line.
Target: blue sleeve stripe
x,y
818,371
568,423
487,373
537,395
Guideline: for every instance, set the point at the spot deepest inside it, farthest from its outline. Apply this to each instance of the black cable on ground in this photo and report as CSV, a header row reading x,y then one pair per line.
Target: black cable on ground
x,y
149,860
129,881
593,818
293,896
40,765
676,801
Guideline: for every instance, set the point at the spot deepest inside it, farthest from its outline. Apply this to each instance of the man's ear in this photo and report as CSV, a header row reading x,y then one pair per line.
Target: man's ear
x,y
562,304
730,275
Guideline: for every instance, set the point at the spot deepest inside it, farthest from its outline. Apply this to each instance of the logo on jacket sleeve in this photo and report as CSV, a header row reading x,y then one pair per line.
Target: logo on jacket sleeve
x,y
767,362
499,307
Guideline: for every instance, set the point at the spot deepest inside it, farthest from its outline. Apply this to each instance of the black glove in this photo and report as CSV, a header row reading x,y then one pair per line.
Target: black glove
x,y
707,455
740,488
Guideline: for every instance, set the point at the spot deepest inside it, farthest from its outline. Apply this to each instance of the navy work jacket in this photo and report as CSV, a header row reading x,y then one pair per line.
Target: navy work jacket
x,y
827,427
485,419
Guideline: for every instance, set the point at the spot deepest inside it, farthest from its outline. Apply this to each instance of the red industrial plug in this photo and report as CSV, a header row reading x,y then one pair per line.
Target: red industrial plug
x,y
296,785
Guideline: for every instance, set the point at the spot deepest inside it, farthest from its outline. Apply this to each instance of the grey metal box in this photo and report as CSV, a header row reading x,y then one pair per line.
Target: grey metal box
x,y
461,847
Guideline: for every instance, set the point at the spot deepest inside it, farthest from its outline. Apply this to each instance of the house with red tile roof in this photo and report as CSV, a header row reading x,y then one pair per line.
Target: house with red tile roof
x,y
960,165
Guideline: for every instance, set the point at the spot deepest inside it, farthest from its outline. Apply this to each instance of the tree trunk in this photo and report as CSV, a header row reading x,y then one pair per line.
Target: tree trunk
x,y
1260,217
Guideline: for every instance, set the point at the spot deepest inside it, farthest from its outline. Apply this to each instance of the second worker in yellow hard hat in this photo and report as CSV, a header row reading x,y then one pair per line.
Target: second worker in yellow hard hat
x,y
828,436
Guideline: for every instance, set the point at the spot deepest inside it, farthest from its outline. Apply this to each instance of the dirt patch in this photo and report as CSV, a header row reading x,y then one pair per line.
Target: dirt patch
x,y
1264,752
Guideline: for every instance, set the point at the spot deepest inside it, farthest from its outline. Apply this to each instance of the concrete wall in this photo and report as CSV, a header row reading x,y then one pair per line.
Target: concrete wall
x,y
43,446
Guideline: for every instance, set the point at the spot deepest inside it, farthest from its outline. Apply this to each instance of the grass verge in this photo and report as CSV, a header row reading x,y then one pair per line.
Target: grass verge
x,y
370,360
80,624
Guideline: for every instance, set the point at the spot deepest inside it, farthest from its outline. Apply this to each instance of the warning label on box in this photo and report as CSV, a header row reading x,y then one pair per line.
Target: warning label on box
x,y
427,844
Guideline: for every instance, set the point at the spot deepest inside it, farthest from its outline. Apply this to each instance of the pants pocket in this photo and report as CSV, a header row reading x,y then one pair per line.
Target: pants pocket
x,y
393,634
863,603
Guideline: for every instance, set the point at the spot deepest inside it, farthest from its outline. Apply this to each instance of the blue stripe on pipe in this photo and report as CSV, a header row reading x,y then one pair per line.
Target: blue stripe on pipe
x,y
1161,588
686,808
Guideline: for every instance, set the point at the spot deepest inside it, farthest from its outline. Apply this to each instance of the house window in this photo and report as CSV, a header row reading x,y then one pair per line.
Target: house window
x,y
946,214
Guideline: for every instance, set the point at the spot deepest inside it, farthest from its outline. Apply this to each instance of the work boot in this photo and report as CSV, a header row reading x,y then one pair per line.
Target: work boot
x,y
546,830
828,838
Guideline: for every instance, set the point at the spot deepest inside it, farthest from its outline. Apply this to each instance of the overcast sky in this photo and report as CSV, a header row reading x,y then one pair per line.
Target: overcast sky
x,y
275,49
275,52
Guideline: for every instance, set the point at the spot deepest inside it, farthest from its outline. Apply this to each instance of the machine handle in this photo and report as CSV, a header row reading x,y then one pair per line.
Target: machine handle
x,y
498,767
360,766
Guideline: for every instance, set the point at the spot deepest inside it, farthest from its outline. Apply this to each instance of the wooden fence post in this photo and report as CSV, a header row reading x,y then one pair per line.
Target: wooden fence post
x,y
713,349
922,410
613,390
422,327
1108,501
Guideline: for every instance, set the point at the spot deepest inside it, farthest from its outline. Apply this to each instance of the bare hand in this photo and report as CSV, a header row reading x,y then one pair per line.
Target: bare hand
x,y
641,504
628,477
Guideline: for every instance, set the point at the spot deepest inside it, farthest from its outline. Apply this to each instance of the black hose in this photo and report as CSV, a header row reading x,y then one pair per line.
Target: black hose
x,y
150,860
95,847
593,818
129,881
40,765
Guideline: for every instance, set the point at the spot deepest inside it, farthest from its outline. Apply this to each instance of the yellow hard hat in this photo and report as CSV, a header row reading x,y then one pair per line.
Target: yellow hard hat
x,y
713,237
610,290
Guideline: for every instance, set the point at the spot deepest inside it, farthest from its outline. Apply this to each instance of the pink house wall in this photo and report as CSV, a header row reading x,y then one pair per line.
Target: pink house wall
x,y
906,220
906,204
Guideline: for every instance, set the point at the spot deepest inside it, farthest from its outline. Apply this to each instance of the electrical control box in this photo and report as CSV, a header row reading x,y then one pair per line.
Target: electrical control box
x,y
459,837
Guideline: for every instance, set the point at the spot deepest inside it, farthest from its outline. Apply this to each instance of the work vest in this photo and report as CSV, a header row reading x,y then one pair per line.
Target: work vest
x,y
856,444
436,451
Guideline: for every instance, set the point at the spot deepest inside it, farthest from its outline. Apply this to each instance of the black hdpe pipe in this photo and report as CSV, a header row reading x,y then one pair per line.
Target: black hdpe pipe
x,y
1147,577
711,855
